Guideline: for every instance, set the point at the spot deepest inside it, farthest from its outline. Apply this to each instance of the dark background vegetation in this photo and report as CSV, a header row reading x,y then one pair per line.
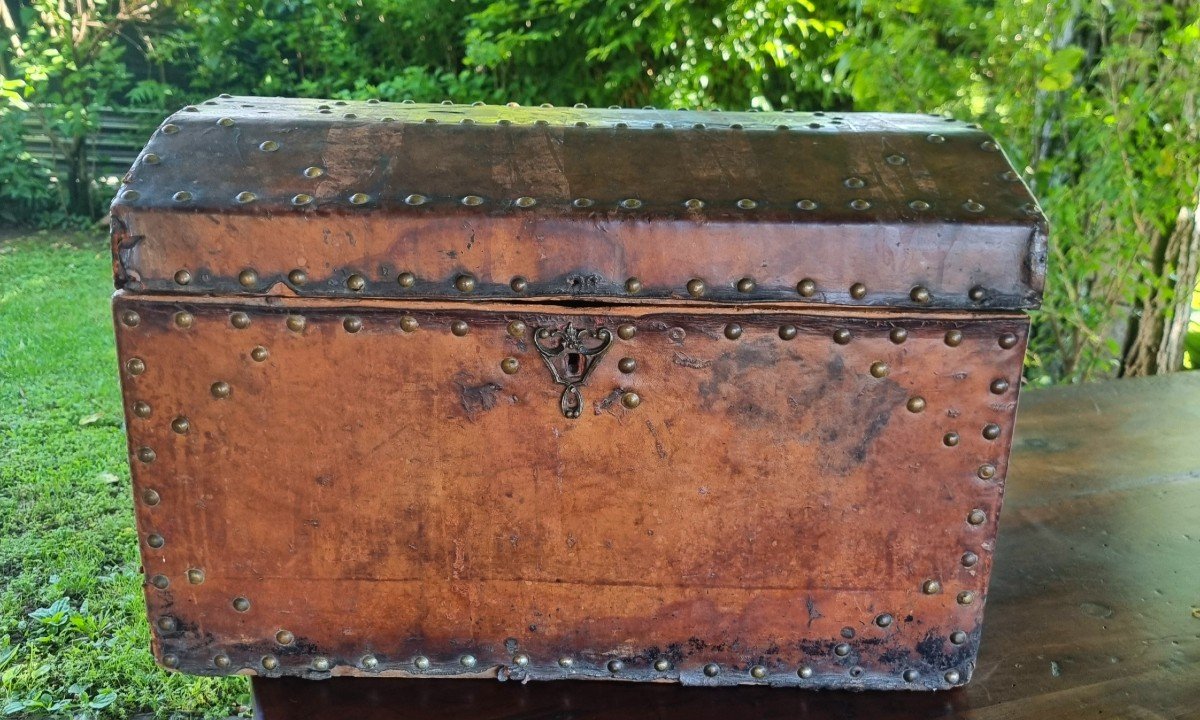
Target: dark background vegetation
x,y
1094,100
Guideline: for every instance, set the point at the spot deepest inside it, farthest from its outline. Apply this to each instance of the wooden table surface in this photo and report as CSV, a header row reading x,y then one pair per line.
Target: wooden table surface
x,y
1093,612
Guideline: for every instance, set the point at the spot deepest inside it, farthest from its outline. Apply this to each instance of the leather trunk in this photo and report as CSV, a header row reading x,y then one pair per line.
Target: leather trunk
x,y
542,393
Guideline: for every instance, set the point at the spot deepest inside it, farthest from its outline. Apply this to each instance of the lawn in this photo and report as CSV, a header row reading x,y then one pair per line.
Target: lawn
x,y
74,641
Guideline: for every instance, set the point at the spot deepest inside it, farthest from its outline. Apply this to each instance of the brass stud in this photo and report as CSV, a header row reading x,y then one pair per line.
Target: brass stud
x,y
954,338
896,160
313,172
195,576
627,365
884,620
950,439
170,129
222,661
565,662
302,199
464,283
854,183
898,335
976,517
1007,341
987,471
268,146
181,425
630,203
151,159
860,204
239,320
999,386
460,327
919,205
155,541
406,279
296,323
283,637
421,662
841,336
804,672
220,389
746,285
919,294
408,323
241,604
520,660
911,675
135,366
633,286
615,666
966,597
356,282
141,409
662,665
733,331
415,199
259,353
225,122
359,198
991,431
160,581
182,277
958,637
973,206
352,324
184,319
989,146
471,200
931,587
787,332
171,661
841,649
516,329
758,672
582,203
151,497
269,662
320,664
858,291
626,331
806,287
467,661
631,400
695,287
712,670
130,318
248,278
969,559
879,369
298,277
746,204
245,197
806,205
935,139
915,404
510,365
525,202
519,284
694,204
976,293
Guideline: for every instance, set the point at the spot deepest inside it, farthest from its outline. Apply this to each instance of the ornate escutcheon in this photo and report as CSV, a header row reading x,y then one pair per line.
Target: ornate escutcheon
x,y
571,354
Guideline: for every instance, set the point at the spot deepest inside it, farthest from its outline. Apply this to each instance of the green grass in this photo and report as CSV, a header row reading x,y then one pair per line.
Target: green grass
x,y
74,641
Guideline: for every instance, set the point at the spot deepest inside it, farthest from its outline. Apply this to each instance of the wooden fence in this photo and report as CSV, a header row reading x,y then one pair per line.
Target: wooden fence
x,y
112,148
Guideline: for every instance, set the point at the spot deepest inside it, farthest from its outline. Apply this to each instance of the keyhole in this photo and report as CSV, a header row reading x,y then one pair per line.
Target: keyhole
x,y
576,364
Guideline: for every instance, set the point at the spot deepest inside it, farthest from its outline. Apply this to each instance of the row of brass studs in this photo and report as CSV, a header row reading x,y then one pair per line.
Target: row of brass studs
x,y
522,660
696,287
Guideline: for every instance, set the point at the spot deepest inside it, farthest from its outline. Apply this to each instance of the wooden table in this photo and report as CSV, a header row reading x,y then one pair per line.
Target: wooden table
x,y
1094,609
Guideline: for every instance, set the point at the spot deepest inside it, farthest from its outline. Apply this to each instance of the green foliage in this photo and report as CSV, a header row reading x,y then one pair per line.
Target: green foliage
x,y
73,633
